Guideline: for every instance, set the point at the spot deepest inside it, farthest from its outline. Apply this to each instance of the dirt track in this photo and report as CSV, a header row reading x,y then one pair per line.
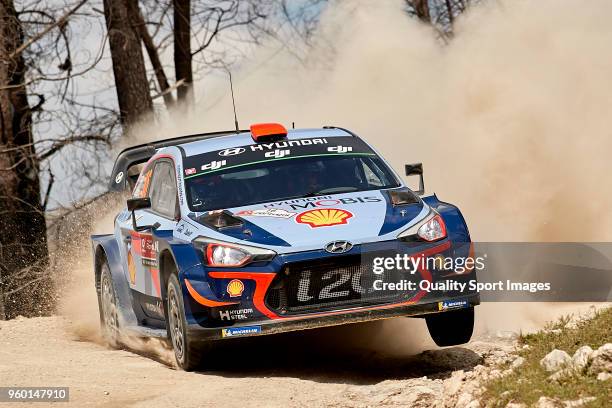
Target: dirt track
x,y
341,366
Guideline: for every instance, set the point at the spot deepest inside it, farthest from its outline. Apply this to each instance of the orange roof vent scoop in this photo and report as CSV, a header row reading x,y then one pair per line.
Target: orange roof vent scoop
x,y
268,132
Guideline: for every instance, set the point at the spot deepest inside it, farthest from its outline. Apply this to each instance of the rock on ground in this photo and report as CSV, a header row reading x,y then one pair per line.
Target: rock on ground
x,y
581,358
601,360
555,360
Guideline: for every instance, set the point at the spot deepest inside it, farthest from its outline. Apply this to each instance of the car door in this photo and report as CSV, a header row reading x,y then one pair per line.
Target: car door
x,y
158,182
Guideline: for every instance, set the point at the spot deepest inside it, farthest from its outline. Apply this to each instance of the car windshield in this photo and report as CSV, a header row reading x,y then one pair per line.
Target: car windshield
x,y
290,177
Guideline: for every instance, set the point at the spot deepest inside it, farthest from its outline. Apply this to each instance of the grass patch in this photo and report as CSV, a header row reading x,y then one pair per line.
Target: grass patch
x,y
529,382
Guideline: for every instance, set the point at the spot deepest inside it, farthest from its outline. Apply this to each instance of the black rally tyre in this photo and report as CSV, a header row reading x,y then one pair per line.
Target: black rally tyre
x,y
451,328
109,315
188,355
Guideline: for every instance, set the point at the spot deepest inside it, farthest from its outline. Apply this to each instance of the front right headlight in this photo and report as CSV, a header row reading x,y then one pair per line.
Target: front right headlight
x,y
431,229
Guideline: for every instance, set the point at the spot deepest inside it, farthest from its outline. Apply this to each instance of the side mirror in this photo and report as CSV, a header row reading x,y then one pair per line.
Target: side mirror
x,y
138,203
416,169
134,204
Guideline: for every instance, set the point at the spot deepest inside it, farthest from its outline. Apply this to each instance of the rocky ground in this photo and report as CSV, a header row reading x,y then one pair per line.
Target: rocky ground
x,y
42,351
335,367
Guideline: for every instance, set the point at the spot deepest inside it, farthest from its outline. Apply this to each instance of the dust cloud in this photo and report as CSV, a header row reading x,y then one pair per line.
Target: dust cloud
x,y
509,119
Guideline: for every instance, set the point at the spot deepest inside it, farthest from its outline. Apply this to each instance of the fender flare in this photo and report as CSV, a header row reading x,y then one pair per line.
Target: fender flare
x,y
106,247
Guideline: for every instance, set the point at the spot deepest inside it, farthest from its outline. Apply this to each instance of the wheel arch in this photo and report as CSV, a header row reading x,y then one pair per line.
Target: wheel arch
x,y
167,267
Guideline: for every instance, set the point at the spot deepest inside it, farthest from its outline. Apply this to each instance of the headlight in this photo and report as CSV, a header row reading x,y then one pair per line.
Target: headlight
x,y
432,228
223,254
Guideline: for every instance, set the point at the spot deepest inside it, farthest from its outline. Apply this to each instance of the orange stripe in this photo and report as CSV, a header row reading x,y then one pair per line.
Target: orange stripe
x,y
262,282
202,300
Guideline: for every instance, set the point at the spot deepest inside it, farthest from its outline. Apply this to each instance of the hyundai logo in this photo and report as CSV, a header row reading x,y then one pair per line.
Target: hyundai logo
x,y
232,151
338,247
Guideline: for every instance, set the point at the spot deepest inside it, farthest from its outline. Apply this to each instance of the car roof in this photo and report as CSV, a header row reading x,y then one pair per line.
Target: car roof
x,y
230,140
201,143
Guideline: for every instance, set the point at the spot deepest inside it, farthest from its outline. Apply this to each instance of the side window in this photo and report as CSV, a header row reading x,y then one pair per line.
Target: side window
x,y
163,190
142,185
370,170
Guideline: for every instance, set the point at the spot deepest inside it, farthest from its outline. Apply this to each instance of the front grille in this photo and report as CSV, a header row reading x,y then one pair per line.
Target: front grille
x,y
333,284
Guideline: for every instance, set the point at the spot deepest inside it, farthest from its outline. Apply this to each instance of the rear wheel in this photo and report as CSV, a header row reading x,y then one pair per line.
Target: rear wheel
x,y
451,328
108,308
187,354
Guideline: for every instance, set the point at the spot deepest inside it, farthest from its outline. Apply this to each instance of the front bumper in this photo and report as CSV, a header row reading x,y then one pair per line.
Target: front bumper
x,y
211,312
198,333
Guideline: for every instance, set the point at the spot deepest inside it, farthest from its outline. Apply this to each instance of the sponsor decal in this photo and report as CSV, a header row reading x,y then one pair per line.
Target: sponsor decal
x,y
148,247
340,149
183,228
190,171
453,304
119,177
232,151
179,182
214,165
131,267
154,308
323,201
277,154
240,331
235,314
267,212
235,288
324,217
289,143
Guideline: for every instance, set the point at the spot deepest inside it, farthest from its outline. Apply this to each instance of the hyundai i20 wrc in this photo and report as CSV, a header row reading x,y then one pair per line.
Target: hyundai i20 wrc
x,y
248,233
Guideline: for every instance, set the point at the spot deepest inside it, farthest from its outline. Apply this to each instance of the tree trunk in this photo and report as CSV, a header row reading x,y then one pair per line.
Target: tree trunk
x,y
421,9
128,62
26,285
451,17
160,74
182,50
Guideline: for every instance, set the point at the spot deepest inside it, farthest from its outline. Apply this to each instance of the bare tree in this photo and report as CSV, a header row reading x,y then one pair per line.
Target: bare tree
x,y
419,9
183,69
440,14
23,242
129,70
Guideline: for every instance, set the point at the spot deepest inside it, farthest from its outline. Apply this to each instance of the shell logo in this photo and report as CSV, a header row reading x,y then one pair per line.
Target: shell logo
x,y
131,267
324,217
235,288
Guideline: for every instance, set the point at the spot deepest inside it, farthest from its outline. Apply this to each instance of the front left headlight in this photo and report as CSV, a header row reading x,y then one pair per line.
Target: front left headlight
x,y
225,254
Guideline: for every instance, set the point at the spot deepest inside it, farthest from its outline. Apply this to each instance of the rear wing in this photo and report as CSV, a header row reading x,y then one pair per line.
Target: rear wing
x,y
122,178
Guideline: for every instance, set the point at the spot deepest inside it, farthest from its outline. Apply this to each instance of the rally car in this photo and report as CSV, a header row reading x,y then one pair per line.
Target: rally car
x,y
267,230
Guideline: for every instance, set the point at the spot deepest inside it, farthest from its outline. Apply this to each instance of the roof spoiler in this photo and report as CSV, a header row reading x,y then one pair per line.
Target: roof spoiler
x,y
135,155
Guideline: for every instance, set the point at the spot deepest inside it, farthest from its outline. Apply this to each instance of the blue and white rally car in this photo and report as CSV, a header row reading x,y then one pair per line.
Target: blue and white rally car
x,y
264,231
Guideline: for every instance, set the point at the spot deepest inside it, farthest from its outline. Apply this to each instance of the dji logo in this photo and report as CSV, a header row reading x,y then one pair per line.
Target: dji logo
x,y
340,149
214,165
277,153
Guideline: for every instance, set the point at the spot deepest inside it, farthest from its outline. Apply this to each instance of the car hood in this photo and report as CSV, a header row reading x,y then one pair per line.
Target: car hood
x,y
303,224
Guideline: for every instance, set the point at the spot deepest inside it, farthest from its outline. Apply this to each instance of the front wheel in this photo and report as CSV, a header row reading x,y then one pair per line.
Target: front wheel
x,y
451,328
187,354
108,308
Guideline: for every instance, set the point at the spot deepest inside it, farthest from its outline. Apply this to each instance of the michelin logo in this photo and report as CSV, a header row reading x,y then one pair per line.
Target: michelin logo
x,y
453,304
240,331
